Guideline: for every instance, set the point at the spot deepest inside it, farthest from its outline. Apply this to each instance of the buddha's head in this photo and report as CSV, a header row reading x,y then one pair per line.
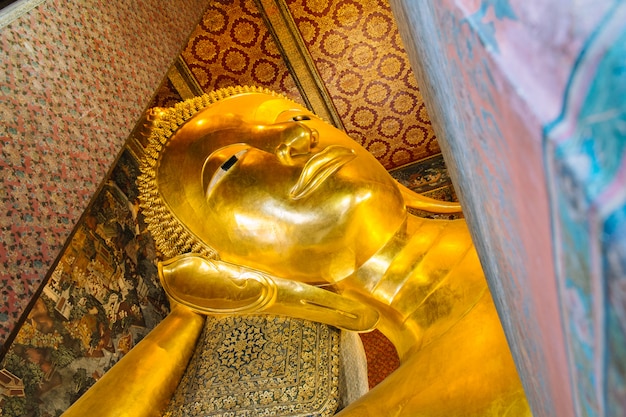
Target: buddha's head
x,y
263,182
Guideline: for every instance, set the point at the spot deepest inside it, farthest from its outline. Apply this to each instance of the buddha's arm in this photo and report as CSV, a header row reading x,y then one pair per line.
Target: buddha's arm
x,y
143,381
215,287
420,202
467,371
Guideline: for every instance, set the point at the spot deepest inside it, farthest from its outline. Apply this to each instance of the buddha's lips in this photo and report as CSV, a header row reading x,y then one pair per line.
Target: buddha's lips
x,y
319,167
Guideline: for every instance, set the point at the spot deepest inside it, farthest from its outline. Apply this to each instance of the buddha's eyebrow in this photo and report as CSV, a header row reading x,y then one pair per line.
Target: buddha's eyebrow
x,y
229,163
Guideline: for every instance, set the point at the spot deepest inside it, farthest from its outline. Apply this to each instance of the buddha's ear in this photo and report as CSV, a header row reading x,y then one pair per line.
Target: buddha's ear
x,y
420,202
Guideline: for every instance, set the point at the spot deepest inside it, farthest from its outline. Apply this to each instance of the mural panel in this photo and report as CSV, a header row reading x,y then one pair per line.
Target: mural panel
x,y
102,298
522,32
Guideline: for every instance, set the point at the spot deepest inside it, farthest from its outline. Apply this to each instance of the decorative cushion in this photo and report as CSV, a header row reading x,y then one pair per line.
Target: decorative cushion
x,y
260,366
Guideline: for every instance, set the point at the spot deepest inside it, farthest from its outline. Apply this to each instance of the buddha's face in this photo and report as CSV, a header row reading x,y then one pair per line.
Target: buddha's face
x,y
283,192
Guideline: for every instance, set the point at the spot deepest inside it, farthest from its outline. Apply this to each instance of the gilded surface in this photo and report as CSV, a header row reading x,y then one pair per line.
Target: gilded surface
x,y
218,288
301,221
260,365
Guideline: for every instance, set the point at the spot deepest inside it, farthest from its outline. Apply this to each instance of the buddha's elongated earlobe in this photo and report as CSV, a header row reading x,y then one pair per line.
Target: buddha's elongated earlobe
x,y
420,202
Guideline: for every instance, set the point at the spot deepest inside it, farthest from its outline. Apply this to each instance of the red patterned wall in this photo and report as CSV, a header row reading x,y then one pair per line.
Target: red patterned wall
x,y
232,46
358,52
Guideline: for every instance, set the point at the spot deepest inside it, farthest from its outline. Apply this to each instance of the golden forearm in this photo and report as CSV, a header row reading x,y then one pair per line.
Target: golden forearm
x,y
143,381
215,287
304,301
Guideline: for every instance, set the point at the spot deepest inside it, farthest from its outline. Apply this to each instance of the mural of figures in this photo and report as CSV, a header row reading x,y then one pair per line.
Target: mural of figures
x,y
430,178
102,298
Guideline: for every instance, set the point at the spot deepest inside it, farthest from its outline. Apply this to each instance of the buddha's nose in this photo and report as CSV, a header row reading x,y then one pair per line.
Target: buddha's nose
x,y
299,142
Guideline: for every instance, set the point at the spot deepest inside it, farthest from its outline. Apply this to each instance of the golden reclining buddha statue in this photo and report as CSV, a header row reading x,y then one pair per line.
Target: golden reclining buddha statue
x,y
263,208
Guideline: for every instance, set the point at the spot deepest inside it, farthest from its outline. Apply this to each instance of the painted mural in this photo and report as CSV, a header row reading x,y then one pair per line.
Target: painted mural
x,y
102,298
428,177
586,160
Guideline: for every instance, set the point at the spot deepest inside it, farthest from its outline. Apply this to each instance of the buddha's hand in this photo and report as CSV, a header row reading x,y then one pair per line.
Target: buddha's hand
x,y
214,287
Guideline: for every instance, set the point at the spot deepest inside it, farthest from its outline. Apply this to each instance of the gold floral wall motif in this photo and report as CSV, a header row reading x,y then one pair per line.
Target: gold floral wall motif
x,y
261,365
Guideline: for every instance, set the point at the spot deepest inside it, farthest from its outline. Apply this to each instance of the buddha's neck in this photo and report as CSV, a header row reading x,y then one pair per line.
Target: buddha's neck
x,y
418,243
415,279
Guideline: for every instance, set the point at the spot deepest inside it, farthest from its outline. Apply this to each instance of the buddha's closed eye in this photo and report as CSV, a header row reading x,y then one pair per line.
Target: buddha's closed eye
x,y
232,161
223,169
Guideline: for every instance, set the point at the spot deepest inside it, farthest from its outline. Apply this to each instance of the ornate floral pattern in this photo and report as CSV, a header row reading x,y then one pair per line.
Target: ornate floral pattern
x,y
356,48
258,366
232,46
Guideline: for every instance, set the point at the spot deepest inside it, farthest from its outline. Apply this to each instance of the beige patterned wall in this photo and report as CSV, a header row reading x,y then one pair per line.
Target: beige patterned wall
x,y
75,78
